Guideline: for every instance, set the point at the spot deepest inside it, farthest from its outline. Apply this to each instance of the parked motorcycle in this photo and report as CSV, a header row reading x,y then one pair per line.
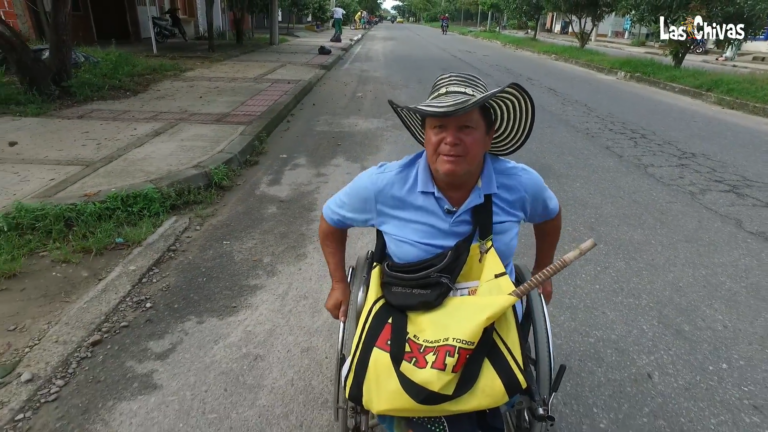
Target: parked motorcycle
x,y
163,29
699,47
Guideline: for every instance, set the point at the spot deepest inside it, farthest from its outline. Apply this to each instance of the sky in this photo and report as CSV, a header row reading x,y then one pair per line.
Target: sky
x,y
389,3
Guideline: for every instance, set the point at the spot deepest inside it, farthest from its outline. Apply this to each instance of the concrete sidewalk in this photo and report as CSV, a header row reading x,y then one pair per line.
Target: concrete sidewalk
x,y
173,133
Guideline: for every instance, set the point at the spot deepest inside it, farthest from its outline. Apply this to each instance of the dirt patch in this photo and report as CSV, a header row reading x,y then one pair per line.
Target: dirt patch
x,y
32,302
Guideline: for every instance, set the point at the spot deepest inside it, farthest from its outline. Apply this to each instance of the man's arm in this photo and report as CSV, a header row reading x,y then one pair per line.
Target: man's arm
x,y
353,206
547,235
544,213
333,242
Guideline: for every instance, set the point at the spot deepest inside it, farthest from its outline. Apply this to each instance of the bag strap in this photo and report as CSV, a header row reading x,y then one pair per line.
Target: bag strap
x,y
468,376
482,221
482,217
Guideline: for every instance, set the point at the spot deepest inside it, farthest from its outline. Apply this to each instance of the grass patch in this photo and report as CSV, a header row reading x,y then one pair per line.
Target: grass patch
x,y
118,74
752,87
69,232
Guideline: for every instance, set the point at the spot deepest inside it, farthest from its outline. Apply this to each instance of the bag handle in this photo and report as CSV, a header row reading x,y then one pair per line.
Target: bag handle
x,y
468,376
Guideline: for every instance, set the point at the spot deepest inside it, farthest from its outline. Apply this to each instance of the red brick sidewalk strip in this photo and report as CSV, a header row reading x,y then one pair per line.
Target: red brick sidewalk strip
x,y
263,100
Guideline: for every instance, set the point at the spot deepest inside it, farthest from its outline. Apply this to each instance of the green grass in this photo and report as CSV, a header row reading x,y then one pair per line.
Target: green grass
x,y
751,87
118,74
70,232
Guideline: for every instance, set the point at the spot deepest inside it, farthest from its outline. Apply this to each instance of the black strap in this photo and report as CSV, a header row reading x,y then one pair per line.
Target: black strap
x,y
482,216
468,376
364,350
380,250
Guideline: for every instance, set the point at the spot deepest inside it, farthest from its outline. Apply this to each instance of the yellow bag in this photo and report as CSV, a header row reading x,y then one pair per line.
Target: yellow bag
x,y
430,372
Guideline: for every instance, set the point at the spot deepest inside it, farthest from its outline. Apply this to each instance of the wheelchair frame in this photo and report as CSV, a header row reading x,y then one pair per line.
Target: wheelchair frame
x,y
531,411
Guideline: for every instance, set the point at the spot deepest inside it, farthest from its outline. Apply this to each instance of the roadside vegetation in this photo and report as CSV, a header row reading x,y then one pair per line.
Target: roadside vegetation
x,y
118,74
71,232
745,87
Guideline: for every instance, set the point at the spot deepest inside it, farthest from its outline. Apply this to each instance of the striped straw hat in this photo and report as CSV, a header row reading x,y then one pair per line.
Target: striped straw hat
x,y
456,93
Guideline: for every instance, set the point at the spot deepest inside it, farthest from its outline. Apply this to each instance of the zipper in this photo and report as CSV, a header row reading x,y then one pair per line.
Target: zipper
x,y
444,278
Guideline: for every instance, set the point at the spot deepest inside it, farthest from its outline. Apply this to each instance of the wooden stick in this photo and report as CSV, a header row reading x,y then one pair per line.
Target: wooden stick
x,y
553,269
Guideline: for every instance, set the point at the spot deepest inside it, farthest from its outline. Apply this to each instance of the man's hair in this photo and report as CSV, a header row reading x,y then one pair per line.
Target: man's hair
x,y
485,113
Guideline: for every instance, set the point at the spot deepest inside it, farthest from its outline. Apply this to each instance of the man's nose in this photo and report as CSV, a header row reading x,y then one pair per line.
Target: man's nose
x,y
452,137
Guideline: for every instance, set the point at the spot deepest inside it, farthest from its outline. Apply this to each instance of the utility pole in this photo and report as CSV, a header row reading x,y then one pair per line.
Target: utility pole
x,y
274,26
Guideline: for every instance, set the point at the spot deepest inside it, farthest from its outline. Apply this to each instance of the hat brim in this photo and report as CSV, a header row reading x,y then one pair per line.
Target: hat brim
x,y
512,107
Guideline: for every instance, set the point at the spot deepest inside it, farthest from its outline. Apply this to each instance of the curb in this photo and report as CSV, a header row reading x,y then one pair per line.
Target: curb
x,y
722,101
78,323
234,155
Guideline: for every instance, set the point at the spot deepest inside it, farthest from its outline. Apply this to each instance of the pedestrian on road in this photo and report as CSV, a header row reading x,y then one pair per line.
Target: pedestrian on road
x,y
338,14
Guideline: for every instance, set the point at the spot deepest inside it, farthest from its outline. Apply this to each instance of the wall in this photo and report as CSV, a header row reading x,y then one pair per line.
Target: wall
x,y
7,13
609,27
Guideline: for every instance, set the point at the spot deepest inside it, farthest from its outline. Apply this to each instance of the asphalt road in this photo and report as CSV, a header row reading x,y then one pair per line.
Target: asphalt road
x,y
663,326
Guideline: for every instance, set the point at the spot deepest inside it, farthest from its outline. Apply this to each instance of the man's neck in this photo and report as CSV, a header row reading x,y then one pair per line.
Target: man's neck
x,y
457,192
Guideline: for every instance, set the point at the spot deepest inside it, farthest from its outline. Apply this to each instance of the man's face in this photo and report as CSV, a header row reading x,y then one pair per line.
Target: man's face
x,y
456,146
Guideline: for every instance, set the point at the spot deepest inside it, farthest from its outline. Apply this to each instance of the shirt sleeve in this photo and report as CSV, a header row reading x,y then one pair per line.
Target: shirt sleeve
x,y
542,202
355,205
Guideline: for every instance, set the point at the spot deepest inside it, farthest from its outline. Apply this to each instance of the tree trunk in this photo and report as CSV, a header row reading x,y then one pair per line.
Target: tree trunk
x,y
536,30
44,20
33,73
61,41
239,21
678,52
209,21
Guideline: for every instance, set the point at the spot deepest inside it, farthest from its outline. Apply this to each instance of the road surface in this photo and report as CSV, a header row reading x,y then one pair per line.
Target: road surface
x,y
663,326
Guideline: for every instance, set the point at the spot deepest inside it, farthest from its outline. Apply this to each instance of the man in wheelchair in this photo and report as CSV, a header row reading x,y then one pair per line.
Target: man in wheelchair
x,y
426,204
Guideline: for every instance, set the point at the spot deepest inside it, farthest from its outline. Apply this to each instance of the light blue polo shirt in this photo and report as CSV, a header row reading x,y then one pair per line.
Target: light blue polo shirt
x,y
400,199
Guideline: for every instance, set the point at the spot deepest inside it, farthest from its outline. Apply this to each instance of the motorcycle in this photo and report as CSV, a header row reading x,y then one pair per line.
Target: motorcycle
x,y
699,47
163,29
444,28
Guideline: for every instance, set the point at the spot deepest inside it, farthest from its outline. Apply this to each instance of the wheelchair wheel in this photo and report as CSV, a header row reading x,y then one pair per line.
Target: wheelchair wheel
x,y
540,357
351,418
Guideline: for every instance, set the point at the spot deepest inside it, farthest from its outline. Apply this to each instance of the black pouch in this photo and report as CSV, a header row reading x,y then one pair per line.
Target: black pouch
x,y
424,285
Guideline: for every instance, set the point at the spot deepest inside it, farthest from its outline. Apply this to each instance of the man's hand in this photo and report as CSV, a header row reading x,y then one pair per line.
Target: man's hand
x,y
338,300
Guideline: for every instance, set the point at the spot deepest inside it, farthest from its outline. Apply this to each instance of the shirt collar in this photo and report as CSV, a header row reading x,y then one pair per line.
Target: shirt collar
x,y
426,183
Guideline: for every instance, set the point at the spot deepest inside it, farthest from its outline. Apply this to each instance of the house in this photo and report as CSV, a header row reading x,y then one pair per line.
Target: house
x,y
124,20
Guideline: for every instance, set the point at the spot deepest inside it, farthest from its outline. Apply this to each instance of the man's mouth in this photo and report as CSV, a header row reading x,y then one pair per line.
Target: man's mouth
x,y
451,157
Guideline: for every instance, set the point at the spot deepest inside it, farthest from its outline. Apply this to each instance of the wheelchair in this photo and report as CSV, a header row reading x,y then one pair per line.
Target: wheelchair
x,y
531,410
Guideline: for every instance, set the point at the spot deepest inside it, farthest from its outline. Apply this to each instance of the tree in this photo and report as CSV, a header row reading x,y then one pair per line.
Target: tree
x,y
33,73
60,57
529,11
209,25
350,8
319,9
591,12
493,7
751,13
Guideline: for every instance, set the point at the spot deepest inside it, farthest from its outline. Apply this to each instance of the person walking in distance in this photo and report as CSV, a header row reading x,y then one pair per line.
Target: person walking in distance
x,y
338,15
